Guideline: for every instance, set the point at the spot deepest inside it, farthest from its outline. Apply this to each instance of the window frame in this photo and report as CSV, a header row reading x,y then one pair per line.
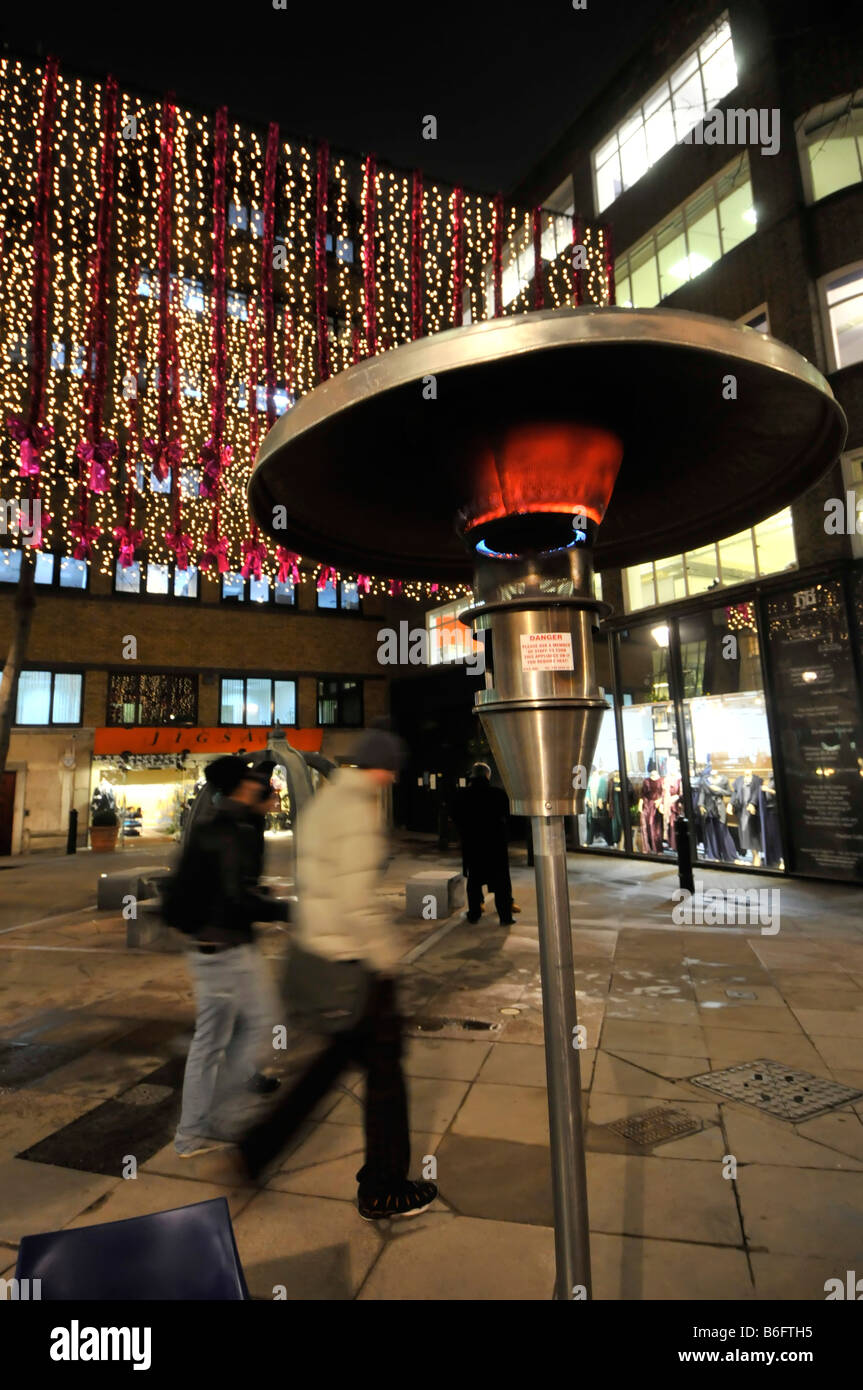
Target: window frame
x,y
245,677
804,145
151,671
29,668
144,596
338,724
823,284
355,611
233,601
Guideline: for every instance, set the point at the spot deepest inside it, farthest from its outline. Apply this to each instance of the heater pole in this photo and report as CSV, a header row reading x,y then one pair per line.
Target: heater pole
x,y
562,1066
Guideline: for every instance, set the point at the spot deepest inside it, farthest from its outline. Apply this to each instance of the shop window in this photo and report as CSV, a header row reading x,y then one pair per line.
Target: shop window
x,y
258,701
48,697
670,110
340,702
693,237
830,139
727,736
601,824
650,790
344,595
150,698
774,543
843,299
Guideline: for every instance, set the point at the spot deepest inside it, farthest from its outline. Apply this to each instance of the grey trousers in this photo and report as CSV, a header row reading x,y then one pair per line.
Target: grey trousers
x,y
237,1006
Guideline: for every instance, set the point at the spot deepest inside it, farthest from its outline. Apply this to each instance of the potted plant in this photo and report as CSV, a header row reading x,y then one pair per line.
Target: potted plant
x,y
104,820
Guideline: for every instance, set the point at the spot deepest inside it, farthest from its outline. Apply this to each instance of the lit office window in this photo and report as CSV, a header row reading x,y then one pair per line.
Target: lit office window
x,y
677,104
843,295
259,589
258,701
830,138
764,549
694,236
10,566
73,573
186,582
127,578
48,698
158,578
284,593
233,587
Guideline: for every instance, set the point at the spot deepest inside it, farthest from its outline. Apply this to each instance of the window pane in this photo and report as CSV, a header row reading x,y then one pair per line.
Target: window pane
x,y
669,579
327,595
10,566
285,694
44,568
774,543
640,588
351,705
737,558
673,264
34,698
660,132
644,279
67,699
702,230
127,578
233,586
845,301
284,592
350,594
720,74
259,589
186,583
157,579
608,183
702,571
736,217
623,292
688,103
258,698
232,702
73,573
633,157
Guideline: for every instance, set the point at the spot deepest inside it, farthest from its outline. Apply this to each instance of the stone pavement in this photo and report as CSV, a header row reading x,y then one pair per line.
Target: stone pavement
x,y
746,1206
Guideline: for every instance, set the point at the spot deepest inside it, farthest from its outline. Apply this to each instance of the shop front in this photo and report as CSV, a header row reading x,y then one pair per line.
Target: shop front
x,y
742,713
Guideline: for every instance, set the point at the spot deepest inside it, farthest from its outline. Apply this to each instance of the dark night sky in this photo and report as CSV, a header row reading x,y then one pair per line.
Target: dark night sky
x,y
502,80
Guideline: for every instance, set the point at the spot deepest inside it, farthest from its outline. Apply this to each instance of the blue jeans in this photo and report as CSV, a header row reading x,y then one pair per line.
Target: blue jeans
x,y
237,1006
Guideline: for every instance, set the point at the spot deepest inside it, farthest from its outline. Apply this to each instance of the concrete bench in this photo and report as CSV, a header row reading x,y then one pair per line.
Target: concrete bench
x,y
447,891
111,889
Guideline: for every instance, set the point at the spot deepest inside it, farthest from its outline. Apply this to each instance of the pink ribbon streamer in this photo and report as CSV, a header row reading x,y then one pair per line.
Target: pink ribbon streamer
x,y
288,565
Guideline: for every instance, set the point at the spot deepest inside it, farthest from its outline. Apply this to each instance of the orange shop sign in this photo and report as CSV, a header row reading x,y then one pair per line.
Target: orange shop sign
x,y
141,740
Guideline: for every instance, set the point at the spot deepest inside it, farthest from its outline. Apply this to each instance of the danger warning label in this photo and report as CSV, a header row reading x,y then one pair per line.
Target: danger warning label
x,y
546,651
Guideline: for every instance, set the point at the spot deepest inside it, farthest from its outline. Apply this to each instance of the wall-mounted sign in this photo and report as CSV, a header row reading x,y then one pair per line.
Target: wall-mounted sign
x,y
215,741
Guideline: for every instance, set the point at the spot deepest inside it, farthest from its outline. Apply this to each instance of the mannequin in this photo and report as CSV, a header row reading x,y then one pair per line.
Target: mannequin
x,y
672,803
744,800
651,818
712,793
771,843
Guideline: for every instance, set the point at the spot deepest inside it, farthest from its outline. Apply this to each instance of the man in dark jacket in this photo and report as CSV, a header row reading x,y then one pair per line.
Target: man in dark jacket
x,y
236,1001
481,814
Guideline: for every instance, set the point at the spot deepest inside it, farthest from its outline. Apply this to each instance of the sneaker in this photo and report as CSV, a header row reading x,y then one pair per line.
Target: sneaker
x,y
199,1145
402,1199
516,908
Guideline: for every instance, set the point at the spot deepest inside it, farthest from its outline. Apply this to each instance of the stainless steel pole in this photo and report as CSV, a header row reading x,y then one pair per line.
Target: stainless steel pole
x,y
562,1064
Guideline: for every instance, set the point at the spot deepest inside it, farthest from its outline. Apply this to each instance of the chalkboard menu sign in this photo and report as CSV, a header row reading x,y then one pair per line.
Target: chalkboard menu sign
x,y
817,711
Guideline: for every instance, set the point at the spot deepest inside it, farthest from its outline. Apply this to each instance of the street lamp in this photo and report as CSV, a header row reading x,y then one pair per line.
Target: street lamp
x,y
550,439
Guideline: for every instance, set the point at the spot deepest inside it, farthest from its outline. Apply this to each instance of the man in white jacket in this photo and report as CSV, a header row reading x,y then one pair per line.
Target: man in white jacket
x,y
341,856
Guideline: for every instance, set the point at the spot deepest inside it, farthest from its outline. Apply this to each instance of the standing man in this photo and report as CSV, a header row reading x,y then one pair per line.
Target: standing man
x,y
341,856
481,813
237,1005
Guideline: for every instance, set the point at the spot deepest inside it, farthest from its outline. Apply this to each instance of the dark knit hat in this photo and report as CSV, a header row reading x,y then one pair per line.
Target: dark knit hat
x,y
225,774
379,747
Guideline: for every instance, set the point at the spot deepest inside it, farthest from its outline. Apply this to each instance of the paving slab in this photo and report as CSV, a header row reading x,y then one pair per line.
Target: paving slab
x,y
793,1277
445,1059
37,1197
498,1111
455,1258
618,1077
628,1268
432,1104
151,1192
684,1040
789,1210
673,1199
757,1138
316,1248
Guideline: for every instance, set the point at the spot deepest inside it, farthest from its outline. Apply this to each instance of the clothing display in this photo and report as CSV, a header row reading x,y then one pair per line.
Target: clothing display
x,y
603,808
711,793
672,806
651,817
744,800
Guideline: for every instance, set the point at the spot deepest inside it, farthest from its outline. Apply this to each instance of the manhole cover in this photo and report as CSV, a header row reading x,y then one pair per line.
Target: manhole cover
x,y
786,1092
146,1095
655,1126
434,1025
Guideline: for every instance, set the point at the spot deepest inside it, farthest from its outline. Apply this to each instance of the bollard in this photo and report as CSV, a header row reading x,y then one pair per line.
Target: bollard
x,y
684,855
72,837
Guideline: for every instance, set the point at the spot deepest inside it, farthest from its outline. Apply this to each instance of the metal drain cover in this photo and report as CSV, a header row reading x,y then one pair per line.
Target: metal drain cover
x,y
434,1025
146,1094
741,994
786,1092
655,1126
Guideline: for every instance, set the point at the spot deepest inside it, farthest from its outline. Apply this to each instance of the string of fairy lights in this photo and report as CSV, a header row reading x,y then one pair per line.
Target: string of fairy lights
x,y
385,260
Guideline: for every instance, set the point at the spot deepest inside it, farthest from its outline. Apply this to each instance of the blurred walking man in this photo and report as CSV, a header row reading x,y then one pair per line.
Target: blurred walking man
x,y
340,859
481,813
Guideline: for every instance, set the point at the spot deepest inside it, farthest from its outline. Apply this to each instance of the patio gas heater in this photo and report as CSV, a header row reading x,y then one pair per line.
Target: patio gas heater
x,y
520,451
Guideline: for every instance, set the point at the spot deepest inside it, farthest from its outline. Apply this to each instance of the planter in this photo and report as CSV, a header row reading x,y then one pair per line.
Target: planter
x,y
103,838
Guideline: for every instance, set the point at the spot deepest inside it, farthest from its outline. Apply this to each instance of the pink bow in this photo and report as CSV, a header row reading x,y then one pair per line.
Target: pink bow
x,y
98,456
288,568
254,554
32,441
327,573
181,543
364,583
396,588
164,456
433,588
129,539
84,538
215,553
213,464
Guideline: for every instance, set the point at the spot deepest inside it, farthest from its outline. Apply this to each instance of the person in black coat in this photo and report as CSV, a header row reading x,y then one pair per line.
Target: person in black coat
x,y
481,814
